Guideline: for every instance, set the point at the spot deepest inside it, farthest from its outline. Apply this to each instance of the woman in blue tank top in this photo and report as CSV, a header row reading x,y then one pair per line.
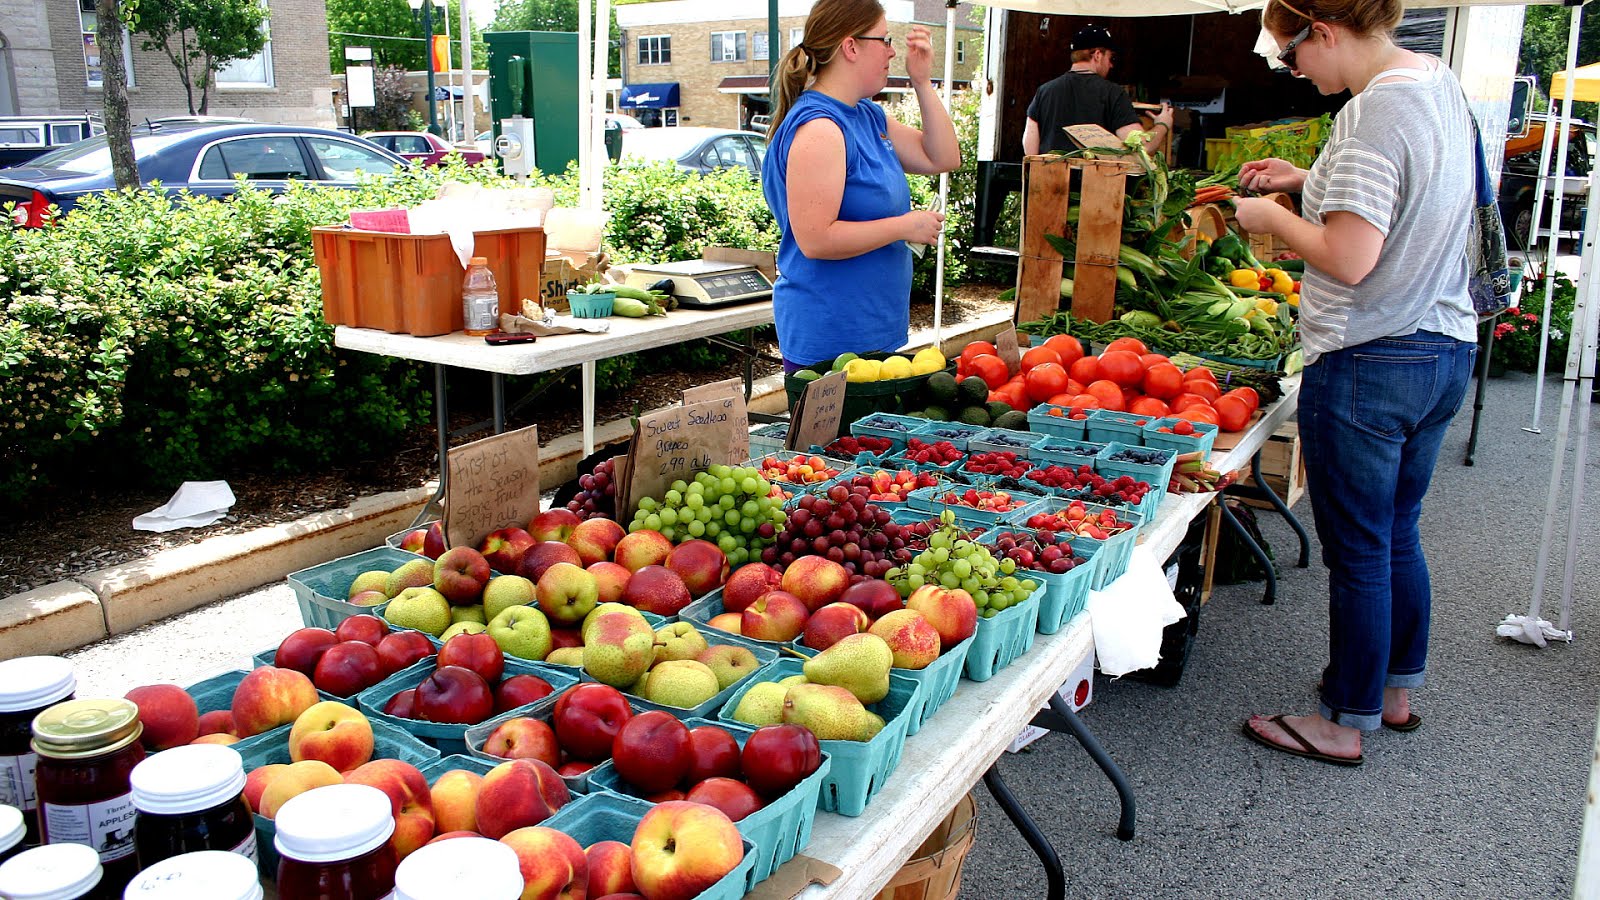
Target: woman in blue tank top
x,y
835,177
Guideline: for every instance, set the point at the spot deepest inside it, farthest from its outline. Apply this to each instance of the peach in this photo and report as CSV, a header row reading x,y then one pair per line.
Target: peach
x,y
269,697
610,868
168,715
912,640
731,622
681,848
816,580
452,835
516,794
747,583
611,579
952,613
455,800
553,865
333,733
221,739
257,781
409,797
218,721
701,564
294,780
642,548
595,539
524,738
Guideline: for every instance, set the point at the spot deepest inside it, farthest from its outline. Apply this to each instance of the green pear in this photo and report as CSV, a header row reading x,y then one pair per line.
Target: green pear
x,y
565,656
521,631
683,683
794,680
505,591
468,627
831,713
421,608
678,641
473,613
618,649
416,573
606,609
762,704
640,686
859,663
376,580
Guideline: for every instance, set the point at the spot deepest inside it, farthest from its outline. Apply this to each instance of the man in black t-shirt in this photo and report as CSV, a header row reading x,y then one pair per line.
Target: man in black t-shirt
x,y
1084,96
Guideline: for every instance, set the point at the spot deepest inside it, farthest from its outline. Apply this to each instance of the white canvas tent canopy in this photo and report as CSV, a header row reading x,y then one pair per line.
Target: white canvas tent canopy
x,y
1130,8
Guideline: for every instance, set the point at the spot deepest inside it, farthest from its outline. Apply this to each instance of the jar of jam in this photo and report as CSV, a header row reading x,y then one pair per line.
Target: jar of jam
x,y
54,872
12,831
87,750
205,875
191,798
462,867
334,844
28,685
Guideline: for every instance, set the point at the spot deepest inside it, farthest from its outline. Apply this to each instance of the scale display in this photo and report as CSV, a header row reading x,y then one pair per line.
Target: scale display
x,y
704,283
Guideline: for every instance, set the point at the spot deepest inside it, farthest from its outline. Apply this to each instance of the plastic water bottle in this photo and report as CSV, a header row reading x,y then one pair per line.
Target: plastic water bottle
x,y
480,299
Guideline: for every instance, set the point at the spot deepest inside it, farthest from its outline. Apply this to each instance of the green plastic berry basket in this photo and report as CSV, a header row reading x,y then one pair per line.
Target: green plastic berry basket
x,y
591,306
321,589
1152,474
272,748
1106,425
606,816
938,680
1064,594
1003,637
1066,452
1004,440
768,438
1205,435
779,830
860,768
448,737
434,768
216,693
1042,421
888,425
478,735
957,433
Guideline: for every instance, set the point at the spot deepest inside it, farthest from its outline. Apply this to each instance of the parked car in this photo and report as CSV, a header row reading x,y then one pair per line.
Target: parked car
x,y
24,137
1519,181
760,123
485,139
200,157
422,147
700,150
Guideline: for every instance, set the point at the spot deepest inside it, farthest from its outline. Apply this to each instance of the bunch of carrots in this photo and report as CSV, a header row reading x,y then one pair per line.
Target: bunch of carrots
x,y
1212,194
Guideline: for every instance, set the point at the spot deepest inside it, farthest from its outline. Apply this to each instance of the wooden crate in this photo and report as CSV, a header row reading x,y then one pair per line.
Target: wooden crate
x,y
1046,186
1282,466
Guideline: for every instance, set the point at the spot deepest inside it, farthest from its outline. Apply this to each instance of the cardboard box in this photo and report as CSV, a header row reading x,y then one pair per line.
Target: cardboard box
x,y
565,270
1077,691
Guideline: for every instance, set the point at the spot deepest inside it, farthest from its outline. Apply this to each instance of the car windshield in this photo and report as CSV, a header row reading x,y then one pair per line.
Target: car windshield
x,y
659,143
93,155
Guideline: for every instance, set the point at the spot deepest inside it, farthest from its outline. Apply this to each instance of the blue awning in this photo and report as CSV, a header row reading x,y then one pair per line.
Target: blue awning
x,y
663,95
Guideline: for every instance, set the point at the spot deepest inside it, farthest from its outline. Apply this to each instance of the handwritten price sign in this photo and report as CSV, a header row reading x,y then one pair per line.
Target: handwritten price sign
x,y
491,484
816,419
676,443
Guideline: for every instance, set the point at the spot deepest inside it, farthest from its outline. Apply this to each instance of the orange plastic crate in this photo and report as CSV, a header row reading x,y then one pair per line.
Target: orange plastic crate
x,y
411,283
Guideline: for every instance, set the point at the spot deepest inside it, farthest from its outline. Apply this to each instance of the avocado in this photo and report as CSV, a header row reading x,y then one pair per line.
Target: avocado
x,y
973,390
942,387
1014,419
936,414
998,408
844,360
975,415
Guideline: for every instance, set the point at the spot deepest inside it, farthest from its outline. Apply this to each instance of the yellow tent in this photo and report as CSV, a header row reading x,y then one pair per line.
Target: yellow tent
x,y
1586,84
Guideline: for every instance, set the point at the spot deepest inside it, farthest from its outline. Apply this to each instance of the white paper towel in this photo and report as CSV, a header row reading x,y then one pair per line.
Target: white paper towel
x,y
195,503
1129,614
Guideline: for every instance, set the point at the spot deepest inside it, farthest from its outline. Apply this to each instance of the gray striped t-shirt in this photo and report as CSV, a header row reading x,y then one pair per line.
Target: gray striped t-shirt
x,y
1400,157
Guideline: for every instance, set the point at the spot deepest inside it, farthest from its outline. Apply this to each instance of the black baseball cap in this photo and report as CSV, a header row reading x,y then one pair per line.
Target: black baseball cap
x,y
1094,37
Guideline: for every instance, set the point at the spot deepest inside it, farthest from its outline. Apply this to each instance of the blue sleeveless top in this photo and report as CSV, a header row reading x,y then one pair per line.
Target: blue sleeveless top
x,y
825,307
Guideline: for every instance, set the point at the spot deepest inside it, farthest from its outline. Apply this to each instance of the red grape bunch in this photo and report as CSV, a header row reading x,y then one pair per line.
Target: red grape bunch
x,y
845,528
598,496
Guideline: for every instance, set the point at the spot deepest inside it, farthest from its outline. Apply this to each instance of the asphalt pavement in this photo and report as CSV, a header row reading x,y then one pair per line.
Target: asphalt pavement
x,y
1485,799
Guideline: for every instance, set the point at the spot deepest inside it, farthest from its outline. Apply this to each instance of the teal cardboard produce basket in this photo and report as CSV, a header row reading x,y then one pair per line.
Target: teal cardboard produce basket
x,y
605,816
1064,595
447,737
1003,637
321,590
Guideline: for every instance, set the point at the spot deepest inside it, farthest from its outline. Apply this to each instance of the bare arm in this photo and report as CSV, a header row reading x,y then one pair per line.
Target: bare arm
x,y
1154,136
933,149
815,187
1030,138
1347,247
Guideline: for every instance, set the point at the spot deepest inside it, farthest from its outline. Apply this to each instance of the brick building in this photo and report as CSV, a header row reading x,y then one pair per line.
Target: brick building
x,y
704,62
49,65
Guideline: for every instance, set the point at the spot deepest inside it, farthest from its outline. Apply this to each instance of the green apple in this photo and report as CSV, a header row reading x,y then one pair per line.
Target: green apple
x,y
521,631
504,592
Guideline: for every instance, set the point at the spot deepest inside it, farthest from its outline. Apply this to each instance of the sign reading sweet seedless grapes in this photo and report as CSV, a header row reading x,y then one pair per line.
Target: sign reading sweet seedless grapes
x,y
673,444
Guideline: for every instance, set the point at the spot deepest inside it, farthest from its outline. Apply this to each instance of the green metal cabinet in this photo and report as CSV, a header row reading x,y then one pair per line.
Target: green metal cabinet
x,y
535,74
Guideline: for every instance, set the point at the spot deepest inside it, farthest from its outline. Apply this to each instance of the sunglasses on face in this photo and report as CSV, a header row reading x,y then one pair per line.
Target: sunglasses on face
x,y
1287,56
886,39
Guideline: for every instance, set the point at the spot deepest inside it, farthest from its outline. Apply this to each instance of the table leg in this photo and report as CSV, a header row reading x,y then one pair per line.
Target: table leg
x,y
1055,877
434,508
1283,509
1485,347
1271,593
749,362
1061,719
588,407
497,391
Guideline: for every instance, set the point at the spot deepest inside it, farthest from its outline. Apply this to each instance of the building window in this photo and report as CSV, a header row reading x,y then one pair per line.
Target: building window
x,y
961,52
252,71
655,50
797,36
759,48
91,46
728,46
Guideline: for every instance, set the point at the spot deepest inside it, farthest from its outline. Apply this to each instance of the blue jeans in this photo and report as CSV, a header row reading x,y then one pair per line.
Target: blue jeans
x,y
1372,418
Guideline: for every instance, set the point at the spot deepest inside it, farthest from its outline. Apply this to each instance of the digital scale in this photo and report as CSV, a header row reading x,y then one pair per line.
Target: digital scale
x,y
706,284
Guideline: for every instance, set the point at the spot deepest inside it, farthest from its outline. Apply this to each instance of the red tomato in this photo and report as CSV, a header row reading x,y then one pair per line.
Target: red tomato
x,y
961,369
1206,389
1083,402
1121,366
1150,359
1148,406
1109,394
1232,414
1067,347
991,369
1064,398
1199,413
1074,386
977,348
1039,355
1127,343
1184,401
1130,394
1200,372
1163,380
1017,396
1045,380
1248,395
1018,378
1085,370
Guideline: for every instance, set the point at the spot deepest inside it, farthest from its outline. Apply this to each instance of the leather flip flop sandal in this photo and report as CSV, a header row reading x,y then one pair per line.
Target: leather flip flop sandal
x,y
1410,724
1310,751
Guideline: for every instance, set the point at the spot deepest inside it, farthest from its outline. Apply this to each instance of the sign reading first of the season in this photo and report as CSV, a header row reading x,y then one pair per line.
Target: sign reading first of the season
x,y
491,484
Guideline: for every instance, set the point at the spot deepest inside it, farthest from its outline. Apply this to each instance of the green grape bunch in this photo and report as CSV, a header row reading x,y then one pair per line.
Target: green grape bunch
x,y
954,561
732,507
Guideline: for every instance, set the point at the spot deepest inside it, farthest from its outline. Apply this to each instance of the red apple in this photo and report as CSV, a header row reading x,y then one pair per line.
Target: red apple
x,y
565,637
402,705
816,580
778,757
873,596
168,713
642,548
401,649
596,539
652,751
554,524
715,754
427,541
456,695
503,549
364,628
611,578
523,738
747,583
657,589
833,622
460,575
477,652
520,690
301,649
347,669
413,540
542,556
218,721
680,849
735,798
701,564
587,718
574,767
775,616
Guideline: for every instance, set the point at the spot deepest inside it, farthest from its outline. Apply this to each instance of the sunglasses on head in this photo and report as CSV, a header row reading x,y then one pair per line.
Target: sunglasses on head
x,y
886,39
1287,56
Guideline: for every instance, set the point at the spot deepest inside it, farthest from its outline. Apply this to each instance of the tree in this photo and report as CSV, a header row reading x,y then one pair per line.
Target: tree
x,y
114,84
555,15
393,33
200,36
1544,48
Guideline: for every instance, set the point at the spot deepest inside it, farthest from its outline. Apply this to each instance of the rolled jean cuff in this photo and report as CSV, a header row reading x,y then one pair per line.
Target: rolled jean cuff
x,y
1412,680
1352,720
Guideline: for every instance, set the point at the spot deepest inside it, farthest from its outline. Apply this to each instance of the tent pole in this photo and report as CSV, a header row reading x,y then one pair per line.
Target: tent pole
x,y
585,164
944,177
598,159
1555,213
1580,369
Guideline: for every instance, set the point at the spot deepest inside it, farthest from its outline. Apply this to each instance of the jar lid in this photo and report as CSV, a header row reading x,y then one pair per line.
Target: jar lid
x,y
34,682
12,828
79,728
474,867
188,779
334,823
202,875
50,872
479,261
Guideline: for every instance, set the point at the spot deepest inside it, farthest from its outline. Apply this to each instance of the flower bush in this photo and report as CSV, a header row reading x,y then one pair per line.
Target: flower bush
x,y
1516,335
1516,341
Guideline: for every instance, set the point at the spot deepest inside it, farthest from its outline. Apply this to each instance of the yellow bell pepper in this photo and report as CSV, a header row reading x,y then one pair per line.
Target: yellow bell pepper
x,y
1244,278
1267,305
1281,282
1294,300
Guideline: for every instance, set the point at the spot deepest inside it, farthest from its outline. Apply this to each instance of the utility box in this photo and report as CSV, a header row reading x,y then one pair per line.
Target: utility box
x,y
534,75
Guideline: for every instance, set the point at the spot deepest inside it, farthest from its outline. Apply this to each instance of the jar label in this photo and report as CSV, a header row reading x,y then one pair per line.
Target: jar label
x,y
106,826
247,848
16,781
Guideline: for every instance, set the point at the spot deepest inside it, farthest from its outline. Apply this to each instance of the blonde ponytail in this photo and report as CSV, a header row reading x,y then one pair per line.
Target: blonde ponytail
x,y
794,71
828,25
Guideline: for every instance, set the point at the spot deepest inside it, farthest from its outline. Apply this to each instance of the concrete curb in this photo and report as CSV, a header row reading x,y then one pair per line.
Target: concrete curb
x,y
115,600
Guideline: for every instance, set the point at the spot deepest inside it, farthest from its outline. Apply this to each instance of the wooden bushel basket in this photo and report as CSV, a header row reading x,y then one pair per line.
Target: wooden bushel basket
x,y
934,871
